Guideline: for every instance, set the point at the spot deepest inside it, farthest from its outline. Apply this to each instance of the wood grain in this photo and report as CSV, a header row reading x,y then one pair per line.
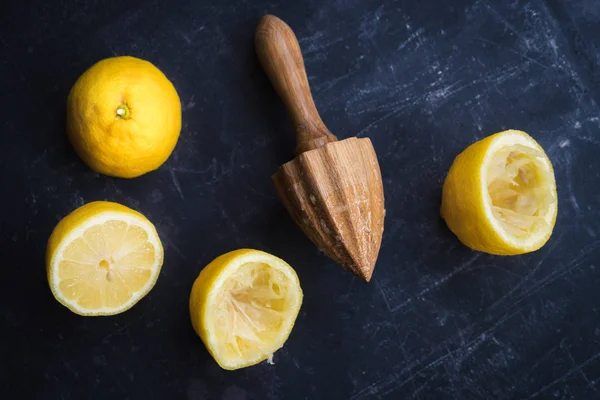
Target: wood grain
x,y
280,56
335,195
332,189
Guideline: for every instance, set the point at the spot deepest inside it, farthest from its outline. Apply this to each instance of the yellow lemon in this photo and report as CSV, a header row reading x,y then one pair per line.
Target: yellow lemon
x,y
500,195
123,117
243,306
102,259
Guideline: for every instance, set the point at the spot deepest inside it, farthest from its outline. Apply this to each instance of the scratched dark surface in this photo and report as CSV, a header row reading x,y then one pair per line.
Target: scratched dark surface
x,y
422,79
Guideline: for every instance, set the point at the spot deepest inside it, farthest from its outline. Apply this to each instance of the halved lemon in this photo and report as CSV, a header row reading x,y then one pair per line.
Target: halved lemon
x,y
102,259
500,195
243,306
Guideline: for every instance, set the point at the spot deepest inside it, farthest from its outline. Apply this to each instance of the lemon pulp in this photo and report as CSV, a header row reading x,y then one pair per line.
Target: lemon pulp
x,y
106,265
243,305
251,309
519,187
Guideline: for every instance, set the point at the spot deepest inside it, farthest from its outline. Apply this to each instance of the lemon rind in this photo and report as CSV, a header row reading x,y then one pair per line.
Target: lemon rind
x,y
77,232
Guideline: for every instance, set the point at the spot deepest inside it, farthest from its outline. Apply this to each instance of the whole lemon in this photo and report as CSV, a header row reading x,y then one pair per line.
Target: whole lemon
x,y
123,117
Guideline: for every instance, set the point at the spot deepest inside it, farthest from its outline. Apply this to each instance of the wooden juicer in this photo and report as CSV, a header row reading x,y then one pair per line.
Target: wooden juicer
x,y
332,189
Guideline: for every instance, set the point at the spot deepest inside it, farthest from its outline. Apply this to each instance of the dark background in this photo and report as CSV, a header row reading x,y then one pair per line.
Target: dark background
x,y
423,80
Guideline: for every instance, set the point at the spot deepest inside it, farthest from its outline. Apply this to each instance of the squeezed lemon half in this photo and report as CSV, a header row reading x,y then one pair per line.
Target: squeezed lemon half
x,y
103,258
243,306
500,195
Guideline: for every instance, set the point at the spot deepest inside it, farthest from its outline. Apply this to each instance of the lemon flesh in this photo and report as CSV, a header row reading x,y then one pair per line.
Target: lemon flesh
x,y
102,259
500,195
520,190
243,306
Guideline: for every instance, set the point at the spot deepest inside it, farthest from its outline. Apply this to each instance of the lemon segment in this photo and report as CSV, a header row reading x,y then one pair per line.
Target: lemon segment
x,y
102,259
243,306
500,195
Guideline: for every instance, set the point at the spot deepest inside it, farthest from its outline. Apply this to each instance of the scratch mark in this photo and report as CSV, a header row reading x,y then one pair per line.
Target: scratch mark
x,y
462,352
227,218
196,171
121,329
170,244
541,359
373,388
513,51
176,182
471,346
566,351
417,391
564,143
566,375
319,90
253,190
444,93
590,139
492,80
315,46
189,38
505,270
387,115
590,231
411,38
190,104
561,270
44,154
529,275
387,304
68,367
371,24
568,162
507,25
575,203
391,106
437,283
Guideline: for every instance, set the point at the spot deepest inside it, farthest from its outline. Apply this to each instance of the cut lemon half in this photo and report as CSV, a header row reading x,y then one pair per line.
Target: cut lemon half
x,y
102,259
500,195
243,306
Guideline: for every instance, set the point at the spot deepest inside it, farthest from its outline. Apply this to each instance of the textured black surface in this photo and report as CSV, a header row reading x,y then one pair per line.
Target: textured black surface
x,y
423,79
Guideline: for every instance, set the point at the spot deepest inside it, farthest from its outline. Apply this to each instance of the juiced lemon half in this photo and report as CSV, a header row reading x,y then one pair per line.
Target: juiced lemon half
x,y
103,258
500,195
243,306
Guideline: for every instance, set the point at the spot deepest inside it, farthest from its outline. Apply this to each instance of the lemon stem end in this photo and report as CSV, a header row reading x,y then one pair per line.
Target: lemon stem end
x,y
123,112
